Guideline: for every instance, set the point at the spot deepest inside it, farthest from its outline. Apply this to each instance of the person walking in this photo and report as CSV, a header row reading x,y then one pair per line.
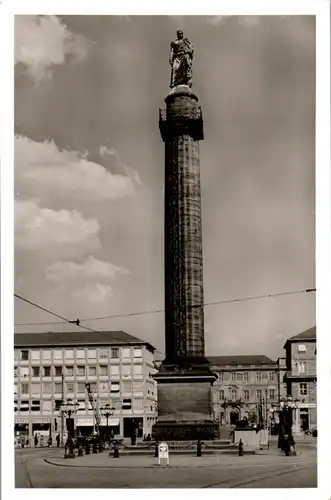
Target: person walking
x,y
58,440
36,440
49,441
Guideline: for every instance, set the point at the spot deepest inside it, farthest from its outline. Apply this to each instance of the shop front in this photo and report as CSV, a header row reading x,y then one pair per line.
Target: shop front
x,y
305,417
21,432
41,431
85,426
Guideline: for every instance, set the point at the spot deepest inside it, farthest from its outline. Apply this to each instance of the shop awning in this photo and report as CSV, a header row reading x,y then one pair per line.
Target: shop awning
x,y
89,422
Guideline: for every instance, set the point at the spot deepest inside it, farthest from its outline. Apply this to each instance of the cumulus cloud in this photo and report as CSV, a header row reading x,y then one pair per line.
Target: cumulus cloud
x,y
42,42
129,171
91,268
54,174
47,230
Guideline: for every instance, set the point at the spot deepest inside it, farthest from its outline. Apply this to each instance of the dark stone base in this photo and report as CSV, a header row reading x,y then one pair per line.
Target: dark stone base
x,y
184,404
184,431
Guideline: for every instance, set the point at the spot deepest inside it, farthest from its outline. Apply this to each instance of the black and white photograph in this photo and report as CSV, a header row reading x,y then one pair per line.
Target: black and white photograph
x,y
164,287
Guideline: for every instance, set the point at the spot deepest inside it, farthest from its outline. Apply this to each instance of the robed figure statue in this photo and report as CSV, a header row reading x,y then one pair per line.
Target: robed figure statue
x,y
180,59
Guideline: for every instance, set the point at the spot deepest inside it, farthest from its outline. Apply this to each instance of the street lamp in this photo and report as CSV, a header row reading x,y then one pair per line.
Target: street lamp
x,y
69,408
285,412
107,411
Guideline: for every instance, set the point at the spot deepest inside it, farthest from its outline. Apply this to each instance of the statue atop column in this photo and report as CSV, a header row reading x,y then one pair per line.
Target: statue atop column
x,y
180,59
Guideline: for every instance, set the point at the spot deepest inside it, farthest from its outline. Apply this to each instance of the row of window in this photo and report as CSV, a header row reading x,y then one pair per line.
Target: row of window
x,y
113,352
36,405
302,367
79,370
244,377
71,387
233,394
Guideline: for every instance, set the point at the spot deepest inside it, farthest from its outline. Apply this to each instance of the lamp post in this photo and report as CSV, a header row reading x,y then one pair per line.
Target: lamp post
x,y
225,405
107,411
285,411
69,408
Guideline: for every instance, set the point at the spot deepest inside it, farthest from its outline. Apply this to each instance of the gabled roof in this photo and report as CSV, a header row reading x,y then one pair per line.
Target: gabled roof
x,y
249,359
77,339
306,335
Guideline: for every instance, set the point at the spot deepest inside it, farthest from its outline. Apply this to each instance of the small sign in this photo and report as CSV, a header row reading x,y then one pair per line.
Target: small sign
x,y
307,405
163,452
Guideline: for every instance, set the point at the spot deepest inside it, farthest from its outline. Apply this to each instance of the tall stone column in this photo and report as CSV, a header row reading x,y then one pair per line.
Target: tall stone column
x,y
181,128
184,380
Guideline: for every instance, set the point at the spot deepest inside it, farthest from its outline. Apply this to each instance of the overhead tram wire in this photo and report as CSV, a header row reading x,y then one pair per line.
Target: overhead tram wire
x,y
65,320
155,311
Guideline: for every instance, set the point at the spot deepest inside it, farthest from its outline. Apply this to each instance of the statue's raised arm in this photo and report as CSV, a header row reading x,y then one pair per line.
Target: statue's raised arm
x,y
180,59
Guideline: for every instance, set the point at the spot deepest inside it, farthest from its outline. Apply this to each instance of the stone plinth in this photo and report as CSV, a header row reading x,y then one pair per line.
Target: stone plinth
x,y
184,380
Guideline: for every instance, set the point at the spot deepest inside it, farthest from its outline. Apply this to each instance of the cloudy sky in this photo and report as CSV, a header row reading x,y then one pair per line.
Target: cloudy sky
x,y
89,166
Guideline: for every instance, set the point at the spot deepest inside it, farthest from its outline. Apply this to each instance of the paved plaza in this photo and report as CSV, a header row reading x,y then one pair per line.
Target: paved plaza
x,y
43,468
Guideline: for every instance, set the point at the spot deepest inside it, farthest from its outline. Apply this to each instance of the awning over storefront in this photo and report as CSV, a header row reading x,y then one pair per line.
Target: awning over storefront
x,y
89,422
85,422
112,422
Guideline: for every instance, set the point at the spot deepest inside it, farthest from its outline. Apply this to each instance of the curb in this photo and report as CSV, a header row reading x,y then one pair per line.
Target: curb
x,y
155,466
137,466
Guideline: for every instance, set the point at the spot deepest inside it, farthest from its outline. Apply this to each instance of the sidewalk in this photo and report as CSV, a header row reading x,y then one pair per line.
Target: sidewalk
x,y
102,460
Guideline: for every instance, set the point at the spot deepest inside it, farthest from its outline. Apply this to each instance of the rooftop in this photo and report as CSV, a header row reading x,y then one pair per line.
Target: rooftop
x,y
56,339
306,335
249,359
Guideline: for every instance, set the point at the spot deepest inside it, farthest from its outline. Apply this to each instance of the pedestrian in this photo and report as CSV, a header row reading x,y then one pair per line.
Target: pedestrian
x,y
36,440
49,441
42,439
58,440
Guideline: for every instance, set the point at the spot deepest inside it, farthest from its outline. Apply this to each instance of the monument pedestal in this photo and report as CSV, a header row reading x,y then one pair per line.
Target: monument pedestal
x,y
184,404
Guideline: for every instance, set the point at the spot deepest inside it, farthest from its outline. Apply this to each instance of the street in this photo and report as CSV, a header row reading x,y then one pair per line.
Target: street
x,y
216,471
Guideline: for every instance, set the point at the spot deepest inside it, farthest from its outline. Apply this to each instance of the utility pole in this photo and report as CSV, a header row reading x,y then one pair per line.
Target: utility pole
x,y
62,415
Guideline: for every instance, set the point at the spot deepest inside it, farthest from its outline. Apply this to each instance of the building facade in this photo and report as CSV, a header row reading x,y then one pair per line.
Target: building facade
x,y
50,368
247,386
301,378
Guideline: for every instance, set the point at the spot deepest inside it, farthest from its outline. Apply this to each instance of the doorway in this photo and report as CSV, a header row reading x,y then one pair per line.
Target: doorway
x,y
304,420
234,416
132,424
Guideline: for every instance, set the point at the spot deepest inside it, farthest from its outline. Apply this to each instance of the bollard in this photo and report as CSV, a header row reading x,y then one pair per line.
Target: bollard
x,y
94,447
199,448
87,449
80,450
241,448
156,454
116,451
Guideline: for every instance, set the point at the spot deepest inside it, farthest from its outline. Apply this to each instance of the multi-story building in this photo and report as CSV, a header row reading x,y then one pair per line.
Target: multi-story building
x,y
49,368
247,386
301,378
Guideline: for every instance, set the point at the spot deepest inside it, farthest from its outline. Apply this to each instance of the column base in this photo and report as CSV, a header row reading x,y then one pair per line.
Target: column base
x,y
184,405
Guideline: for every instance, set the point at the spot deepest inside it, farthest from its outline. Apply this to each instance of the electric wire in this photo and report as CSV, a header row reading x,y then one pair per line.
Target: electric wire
x,y
155,311
76,322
